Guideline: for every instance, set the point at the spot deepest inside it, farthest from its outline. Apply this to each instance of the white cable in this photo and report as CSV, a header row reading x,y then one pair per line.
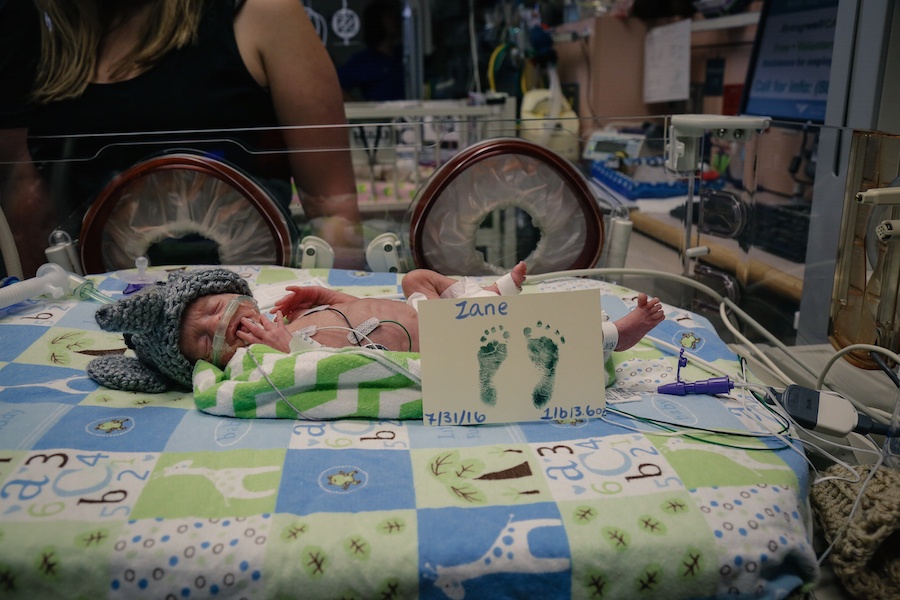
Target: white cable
x,y
626,271
769,337
853,508
874,413
753,347
870,347
798,450
275,387
780,410
691,283
708,366
473,47
867,439
676,433
357,333
819,480
877,414
874,449
686,430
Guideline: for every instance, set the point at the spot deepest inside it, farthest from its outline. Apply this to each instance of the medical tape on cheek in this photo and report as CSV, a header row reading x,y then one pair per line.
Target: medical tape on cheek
x,y
219,344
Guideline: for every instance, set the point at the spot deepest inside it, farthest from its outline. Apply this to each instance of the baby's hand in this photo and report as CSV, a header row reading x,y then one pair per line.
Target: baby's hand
x,y
271,333
290,304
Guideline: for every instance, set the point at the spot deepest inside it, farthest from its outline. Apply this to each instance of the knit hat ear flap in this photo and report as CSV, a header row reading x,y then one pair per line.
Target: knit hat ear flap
x,y
134,314
127,374
131,315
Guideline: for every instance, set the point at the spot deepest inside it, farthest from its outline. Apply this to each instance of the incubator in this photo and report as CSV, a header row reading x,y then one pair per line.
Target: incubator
x,y
710,214
466,189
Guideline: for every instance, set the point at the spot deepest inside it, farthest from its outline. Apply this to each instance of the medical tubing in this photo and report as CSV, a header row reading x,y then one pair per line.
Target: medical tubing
x,y
600,272
843,530
876,356
275,387
473,47
84,289
820,382
708,366
769,337
51,280
891,448
765,360
218,343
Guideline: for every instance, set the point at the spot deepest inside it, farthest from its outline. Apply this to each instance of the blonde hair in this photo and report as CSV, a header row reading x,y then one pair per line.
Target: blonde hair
x,y
73,31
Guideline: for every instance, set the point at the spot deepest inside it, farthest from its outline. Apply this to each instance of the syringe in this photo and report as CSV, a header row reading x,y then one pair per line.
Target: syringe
x,y
54,281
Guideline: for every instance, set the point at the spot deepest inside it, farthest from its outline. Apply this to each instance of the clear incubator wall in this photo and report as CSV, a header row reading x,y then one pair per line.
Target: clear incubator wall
x,y
754,201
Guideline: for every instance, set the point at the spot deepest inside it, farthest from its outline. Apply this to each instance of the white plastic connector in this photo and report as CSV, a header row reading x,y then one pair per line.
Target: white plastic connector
x,y
697,251
821,411
383,254
302,340
886,196
888,231
684,132
836,415
315,253
51,280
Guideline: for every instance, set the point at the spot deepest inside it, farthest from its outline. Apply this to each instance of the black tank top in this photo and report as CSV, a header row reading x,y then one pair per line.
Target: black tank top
x,y
202,86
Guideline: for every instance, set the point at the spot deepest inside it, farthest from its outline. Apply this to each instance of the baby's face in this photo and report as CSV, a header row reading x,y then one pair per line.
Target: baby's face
x,y
200,321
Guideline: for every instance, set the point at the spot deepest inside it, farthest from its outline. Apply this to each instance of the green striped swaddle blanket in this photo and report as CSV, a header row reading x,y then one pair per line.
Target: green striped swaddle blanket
x,y
326,383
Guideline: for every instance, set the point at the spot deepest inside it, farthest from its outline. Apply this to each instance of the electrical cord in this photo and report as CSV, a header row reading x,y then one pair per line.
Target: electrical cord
x,y
768,362
473,47
876,356
405,330
840,534
876,414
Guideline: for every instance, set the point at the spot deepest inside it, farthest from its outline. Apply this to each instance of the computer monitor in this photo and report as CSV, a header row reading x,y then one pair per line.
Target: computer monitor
x,y
791,62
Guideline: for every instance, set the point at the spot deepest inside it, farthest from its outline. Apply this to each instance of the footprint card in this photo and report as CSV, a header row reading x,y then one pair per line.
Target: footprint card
x,y
505,359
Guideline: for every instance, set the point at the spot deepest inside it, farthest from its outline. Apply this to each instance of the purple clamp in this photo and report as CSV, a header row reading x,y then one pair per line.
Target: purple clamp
x,y
712,386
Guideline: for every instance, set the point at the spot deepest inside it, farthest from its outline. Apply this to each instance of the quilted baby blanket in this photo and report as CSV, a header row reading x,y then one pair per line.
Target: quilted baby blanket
x,y
109,494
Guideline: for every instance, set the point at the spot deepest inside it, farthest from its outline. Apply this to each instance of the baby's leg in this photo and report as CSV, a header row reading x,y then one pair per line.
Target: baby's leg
x,y
636,324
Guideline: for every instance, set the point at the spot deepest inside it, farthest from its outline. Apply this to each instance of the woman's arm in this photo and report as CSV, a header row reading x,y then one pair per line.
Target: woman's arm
x,y
24,200
283,52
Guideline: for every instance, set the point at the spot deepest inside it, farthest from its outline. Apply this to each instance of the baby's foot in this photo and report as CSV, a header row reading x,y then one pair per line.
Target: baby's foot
x,y
517,275
636,324
544,354
490,356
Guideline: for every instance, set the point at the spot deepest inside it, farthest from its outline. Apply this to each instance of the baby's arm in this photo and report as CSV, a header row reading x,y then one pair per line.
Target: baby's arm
x,y
426,282
271,333
302,298
432,285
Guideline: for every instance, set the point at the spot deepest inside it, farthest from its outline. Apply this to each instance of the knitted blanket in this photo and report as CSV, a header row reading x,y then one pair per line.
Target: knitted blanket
x,y
327,383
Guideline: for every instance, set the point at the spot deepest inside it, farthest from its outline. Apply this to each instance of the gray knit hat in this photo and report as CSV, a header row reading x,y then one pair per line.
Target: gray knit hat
x,y
151,322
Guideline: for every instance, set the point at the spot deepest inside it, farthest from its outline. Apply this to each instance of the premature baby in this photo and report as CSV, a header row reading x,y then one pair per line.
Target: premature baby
x,y
209,314
330,315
